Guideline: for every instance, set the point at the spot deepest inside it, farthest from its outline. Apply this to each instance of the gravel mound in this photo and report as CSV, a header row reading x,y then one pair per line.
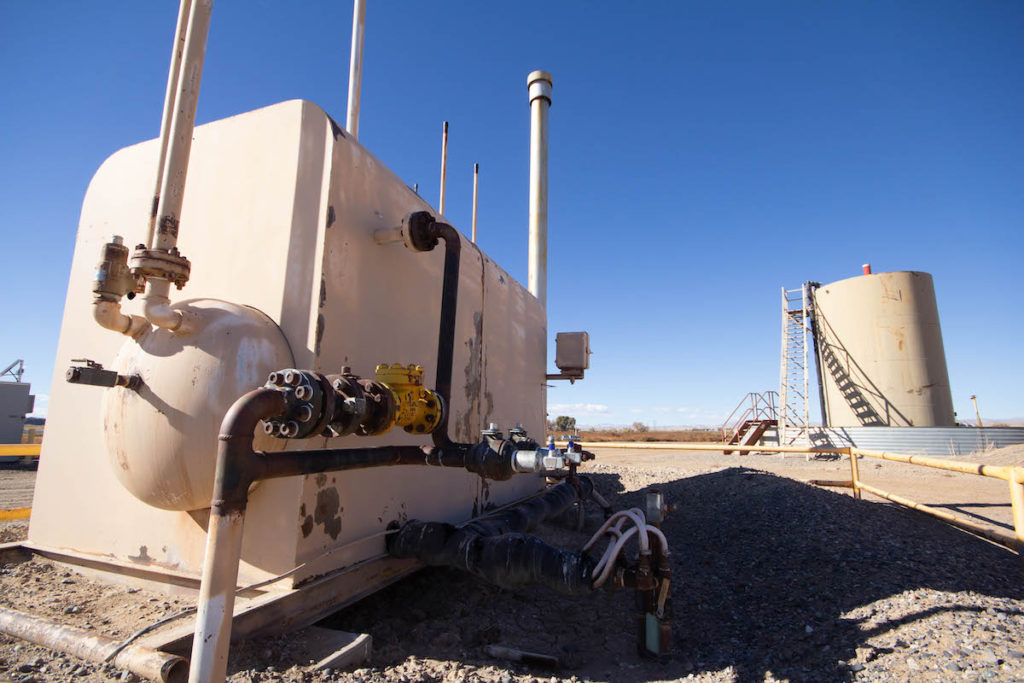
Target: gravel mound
x,y
773,580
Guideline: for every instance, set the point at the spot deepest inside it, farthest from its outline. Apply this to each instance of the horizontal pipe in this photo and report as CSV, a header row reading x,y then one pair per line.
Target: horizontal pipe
x,y
1002,538
92,647
1004,472
294,463
709,446
16,513
23,449
838,483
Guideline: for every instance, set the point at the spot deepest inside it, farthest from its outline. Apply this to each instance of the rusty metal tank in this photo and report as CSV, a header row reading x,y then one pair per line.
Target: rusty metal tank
x,y
281,207
880,352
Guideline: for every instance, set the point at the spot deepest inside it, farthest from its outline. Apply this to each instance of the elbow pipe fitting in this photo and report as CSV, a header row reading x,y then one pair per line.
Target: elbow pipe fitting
x,y
108,314
157,310
420,232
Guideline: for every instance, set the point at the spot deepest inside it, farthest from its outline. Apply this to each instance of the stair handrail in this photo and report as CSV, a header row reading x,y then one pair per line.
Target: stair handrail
x,y
762,406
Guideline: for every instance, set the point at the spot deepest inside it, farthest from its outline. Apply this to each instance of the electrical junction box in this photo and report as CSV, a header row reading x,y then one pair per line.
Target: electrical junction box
x,y
572,353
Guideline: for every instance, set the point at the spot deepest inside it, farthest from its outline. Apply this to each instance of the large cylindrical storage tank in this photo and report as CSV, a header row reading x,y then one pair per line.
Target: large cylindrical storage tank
x,y
880,352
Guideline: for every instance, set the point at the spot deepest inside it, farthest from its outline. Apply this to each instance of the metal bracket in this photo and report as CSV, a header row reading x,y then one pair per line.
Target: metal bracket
x,y
93,373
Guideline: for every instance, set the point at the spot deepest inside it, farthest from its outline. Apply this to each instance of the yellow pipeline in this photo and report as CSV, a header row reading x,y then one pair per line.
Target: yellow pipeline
x,y
708,446
1004,472
1002,538
16,513
22,449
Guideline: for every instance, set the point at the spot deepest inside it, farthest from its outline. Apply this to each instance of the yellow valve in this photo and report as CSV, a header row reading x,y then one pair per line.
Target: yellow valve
x,y
417,409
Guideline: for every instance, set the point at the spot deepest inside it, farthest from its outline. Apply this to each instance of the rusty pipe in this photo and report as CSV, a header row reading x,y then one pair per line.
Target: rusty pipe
x,y
177,51
179,134
92,647
446,328
476,188
444,166
224,540
238,466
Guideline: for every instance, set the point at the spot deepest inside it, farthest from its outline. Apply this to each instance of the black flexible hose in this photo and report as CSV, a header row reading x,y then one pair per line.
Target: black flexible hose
x,y
496,550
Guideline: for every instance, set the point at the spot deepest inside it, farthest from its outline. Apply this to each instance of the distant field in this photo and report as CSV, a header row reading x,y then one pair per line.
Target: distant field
x,y
684,435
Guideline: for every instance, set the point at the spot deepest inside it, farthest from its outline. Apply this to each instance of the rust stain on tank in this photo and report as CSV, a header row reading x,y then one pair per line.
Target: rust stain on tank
x,y
328,511
470,420
306,526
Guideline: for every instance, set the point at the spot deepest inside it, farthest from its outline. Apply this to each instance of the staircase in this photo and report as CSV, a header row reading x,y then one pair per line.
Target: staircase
x,y
848,387
794,411
750,419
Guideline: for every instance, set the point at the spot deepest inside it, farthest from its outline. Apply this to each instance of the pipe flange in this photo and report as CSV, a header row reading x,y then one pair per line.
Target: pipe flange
x,y
304,401
380,408
417,233
161,264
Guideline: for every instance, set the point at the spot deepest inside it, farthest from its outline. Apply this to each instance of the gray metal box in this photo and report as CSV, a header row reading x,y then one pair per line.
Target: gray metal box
x,y
15,403
572,352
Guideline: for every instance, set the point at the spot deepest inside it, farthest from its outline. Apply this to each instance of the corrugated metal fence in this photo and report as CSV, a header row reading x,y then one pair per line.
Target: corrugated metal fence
x,y
919,440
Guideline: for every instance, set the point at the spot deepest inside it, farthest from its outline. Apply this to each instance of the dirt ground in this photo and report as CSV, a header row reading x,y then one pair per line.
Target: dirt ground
x,y
773,580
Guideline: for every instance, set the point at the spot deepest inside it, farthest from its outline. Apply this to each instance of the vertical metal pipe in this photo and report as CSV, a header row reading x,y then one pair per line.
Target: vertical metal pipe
x,y
1017,506
540,85
855,475
177,51
355,71
476,185
182,123
444,165
209,662
977,414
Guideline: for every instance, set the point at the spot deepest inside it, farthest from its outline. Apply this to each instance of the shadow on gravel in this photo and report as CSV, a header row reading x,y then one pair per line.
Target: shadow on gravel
x,y
764,568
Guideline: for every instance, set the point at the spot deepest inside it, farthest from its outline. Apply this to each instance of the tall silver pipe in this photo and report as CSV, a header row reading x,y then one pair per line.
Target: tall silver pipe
x,y
177,51
355,71
476,185
444,166
156,303
183,121
540,85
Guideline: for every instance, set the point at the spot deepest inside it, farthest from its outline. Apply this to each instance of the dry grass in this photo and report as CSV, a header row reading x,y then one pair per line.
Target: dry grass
x,y
626,434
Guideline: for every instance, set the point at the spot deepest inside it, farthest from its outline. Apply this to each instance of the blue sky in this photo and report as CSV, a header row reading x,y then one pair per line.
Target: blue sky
x,y
703,154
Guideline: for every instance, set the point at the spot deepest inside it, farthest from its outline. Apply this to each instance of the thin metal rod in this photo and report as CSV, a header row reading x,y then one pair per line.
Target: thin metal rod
x,y
177,51
444,165
476,186
355,71
1000,537
540,85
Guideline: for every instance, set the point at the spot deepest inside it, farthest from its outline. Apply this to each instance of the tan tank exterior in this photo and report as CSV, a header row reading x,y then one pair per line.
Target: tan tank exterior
x,y
880,352
279,215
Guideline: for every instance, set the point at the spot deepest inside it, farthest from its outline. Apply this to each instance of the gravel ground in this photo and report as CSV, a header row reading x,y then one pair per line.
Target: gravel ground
x,y
773,580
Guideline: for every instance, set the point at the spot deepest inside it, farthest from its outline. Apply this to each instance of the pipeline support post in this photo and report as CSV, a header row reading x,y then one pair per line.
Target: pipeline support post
x,y
854,475
540,85
1017,505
